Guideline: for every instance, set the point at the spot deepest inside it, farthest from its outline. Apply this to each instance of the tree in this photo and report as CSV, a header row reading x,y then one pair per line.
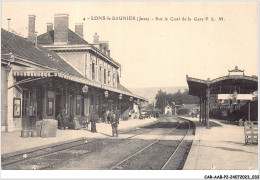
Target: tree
x,y
163,99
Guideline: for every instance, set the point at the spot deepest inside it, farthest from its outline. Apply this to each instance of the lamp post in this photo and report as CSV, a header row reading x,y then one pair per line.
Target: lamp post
x,y
208,98
85,89
120,104
7,71
249,111
106,96
131,105
120,96
200,98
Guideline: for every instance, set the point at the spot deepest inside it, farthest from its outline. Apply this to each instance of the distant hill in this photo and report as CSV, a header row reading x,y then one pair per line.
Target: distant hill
x,y
150,93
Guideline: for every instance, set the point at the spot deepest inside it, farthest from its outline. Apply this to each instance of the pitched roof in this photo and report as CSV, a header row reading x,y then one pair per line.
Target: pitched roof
x,y
48,38
122,88
22,48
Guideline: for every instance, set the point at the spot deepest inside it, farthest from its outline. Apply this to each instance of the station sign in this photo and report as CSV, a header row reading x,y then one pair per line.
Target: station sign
x,y
245,97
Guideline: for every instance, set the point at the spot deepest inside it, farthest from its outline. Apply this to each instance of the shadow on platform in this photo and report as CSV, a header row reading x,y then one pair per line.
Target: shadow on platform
x,y
211,124
228,149
162,125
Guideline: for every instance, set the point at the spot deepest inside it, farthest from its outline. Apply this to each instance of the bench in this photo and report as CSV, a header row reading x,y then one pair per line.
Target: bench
x,y
251,132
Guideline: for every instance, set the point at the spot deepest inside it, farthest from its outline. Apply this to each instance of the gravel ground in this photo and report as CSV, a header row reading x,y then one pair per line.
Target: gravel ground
x,y
154,157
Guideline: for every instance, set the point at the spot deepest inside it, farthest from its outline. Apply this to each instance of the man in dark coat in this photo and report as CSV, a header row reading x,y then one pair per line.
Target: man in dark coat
x,y
93,120
114,119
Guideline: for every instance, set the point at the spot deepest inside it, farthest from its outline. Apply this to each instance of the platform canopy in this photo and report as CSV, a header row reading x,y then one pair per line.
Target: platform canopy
x,y
242,84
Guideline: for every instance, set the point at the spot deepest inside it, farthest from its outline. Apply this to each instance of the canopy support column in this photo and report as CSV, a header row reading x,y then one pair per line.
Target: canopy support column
x,y
208,98
249,111
207,106
205,111
200,110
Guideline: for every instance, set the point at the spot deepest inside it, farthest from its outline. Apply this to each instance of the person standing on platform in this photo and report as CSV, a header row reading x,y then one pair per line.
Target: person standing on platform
x,y
107,116
110,116
114,123
93,121
118,115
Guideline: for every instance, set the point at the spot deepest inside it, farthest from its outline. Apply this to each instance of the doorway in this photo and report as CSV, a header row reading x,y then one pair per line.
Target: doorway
x,y
57,105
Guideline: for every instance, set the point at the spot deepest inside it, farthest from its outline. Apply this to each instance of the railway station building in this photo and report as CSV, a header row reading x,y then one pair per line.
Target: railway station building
x,y
234,94
58,72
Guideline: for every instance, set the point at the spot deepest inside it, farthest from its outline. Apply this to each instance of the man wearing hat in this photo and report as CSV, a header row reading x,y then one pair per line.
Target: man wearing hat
x,y
114,119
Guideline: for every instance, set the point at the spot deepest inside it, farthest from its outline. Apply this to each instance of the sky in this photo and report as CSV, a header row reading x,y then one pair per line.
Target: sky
x,y
158,53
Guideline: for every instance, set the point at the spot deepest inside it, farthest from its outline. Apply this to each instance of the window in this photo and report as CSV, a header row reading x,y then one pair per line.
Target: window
x,y
93,71
17,107
71,105
105,76
66,107
86,62
114,80
78,107
86,106
82,108
50,107
50,102
97,74
100,69
108,78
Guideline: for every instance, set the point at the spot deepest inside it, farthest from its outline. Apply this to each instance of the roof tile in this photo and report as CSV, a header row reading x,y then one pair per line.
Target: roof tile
x,y
21,47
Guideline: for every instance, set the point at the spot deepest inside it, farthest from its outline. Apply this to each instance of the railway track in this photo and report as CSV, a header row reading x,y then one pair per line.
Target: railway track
x,y
142,159
25,156
174,152
33,159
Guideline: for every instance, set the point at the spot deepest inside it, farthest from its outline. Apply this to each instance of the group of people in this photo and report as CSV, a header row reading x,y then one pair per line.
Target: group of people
x,y
111,117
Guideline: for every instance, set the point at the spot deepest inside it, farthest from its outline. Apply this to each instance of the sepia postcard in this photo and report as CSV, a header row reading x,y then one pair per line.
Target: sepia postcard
x,y
122,90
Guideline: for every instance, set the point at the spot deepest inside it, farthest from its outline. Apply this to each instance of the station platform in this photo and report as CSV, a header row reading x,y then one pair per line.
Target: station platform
x,y
12,143
222,147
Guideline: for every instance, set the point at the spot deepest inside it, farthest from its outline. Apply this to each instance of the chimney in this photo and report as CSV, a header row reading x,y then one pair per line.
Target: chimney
x,y
79,29
35,40
9,28
31,28
96,38
108,53
61,23
49,27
